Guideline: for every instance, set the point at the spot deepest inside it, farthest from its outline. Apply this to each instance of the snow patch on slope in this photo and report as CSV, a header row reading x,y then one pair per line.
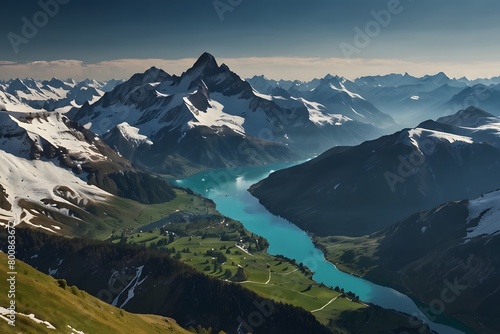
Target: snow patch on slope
x,y
31,181
343,89
104,119
34,180
4,312
480,129
417,137
51,127
75,331
131,134
489,206
263,96
319,115
130,287
215,116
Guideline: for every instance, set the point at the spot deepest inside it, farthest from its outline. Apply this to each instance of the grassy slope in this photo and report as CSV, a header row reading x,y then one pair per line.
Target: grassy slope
x,y
279,280
354,255
357,256
70,306
287,284
115,215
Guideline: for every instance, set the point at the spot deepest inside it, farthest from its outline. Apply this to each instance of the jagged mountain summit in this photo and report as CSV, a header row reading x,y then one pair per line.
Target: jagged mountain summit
x,y
358,190
212,118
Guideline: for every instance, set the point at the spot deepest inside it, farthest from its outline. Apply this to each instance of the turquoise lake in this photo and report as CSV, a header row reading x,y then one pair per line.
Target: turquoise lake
x,y
228,189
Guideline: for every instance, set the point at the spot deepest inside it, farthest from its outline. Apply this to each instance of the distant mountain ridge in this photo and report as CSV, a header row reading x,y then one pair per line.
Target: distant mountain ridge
x,y
332,93
262,120
48,95
359,190
411,99
408,99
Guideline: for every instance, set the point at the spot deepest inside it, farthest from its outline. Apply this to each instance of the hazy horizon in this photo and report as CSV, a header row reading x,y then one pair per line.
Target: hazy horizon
x,y
291,68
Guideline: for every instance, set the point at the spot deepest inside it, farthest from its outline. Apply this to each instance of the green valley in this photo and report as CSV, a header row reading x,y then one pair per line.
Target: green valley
x,y
222,248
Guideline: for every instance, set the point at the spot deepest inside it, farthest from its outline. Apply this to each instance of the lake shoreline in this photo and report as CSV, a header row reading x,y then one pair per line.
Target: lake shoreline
x,y
228,189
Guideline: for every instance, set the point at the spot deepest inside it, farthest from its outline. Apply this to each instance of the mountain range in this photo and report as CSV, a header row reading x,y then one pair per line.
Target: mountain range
x,y
211,117
49,95
406,98
88,159
360,189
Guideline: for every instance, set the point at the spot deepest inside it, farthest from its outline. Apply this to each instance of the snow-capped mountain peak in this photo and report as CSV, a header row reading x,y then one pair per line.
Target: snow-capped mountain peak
x,y
57,83
17,85
155,74
205,61
470,117
132,135
486,211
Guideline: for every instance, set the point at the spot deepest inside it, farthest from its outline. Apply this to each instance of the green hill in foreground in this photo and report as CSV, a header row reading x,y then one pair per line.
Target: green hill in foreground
x,y
69,309
145,280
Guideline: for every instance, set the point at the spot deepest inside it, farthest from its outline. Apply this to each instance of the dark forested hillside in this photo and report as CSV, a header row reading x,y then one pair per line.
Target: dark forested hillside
x,y
146,281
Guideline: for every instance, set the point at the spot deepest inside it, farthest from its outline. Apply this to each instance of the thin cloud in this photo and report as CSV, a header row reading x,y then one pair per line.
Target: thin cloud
x,y
302,68
76,69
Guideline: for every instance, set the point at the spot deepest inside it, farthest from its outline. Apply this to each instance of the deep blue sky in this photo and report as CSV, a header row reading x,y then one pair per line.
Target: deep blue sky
x,y
449,31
